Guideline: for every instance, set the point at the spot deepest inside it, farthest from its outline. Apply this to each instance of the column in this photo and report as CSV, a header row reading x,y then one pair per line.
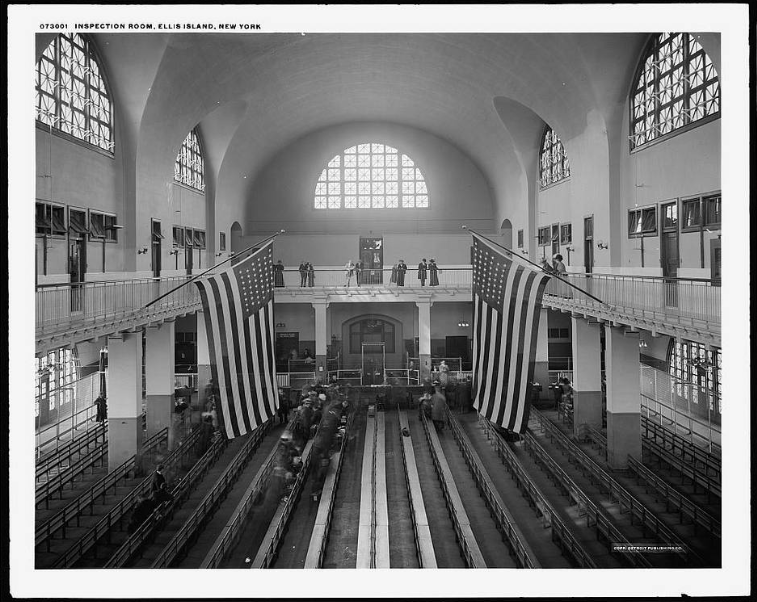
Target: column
x,y
204,373
424,337
321,340
160,363
623,405
587,374
125,433
541,365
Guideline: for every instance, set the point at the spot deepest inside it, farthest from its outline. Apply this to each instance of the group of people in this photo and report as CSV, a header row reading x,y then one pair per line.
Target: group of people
x,y
146,504
426,271
319,416
438,396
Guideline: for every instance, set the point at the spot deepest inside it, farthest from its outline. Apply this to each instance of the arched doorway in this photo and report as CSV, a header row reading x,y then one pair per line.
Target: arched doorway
x,y
506,234
236,238
373,341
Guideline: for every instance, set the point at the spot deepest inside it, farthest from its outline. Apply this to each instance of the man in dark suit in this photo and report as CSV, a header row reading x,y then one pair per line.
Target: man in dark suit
x,y
401,269
303,273
422,271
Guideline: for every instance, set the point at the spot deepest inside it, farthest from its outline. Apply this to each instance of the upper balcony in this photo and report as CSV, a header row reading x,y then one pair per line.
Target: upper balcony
x,y
67,314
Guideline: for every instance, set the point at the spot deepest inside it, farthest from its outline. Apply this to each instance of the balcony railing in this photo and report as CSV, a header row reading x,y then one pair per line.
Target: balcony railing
x,y
61,308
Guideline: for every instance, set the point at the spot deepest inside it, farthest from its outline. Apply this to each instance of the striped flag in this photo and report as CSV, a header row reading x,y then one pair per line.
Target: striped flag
x,y
238,306
507,294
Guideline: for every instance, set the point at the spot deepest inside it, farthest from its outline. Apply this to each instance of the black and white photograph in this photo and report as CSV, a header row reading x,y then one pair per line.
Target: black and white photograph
x,y
391,290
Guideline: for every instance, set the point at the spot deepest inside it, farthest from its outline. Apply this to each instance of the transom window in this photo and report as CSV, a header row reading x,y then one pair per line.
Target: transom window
x,y
553,161
189,167
70,91
642,222
696,372
676,85
371,176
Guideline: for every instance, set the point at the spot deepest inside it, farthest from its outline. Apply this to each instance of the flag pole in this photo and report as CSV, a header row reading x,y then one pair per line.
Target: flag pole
x,y
538,266
173,290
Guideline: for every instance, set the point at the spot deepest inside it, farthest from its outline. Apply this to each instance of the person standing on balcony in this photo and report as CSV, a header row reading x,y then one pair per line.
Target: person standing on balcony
x,y
393,279
310,274
102,409
278,274
358,272
401,270
349,268
303,273
558,266
423,272
433,271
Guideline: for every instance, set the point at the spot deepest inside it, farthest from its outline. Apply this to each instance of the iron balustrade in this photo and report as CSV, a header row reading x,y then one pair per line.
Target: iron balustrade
x,y
551,519
319,537
335,278
64,454
52,433
57,482
229,534
101,302
270,545
697,478
114,516
519,548
656,407
594,517
615,491
460,521
219,490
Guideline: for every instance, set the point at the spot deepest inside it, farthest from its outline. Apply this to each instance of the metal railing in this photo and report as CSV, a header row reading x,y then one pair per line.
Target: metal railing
x,y
616,491
208,504
550,518
505,522
336,277
460,521
687,451
55,484
270,544
64,454
114,516
64,429
62,307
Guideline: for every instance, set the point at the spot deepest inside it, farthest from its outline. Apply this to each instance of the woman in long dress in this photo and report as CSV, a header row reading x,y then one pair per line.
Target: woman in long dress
x,y
311,274
278,274
433,271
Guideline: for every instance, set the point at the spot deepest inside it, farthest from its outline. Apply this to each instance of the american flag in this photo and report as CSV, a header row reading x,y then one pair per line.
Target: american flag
x,y
238,306
507,294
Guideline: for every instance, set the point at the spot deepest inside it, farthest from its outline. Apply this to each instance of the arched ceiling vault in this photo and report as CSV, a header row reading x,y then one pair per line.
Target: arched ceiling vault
x,y
255,94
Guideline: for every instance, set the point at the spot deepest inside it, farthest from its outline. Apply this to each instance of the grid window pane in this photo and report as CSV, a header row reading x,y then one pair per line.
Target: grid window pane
x,y
368,176
71,96
190,166
670,91
553,162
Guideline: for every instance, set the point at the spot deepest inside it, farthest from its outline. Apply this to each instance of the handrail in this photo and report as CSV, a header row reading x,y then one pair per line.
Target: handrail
x,y
229,534
685,506
460,521
278,524
162,513
689,451
505,522
423,542
70,448
714,448
57,482
696,477
526,484
319,537
90,538
211,499
617,491
601,523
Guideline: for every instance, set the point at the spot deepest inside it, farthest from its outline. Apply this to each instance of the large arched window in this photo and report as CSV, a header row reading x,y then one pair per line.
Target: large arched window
x,y
696,372
553,161
676,84
70,93
189,168
371,176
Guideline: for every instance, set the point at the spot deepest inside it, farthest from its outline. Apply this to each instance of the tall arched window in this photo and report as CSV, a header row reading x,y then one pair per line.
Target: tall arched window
x,y
71,95
675,85
371,176
189,168
553,160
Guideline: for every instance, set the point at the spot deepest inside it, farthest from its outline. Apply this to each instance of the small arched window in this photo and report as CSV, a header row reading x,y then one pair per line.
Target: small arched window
x,y
371,176
553,161
676,84
71,95
189,168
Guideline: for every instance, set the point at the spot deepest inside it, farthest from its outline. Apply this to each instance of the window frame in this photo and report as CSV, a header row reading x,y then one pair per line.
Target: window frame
x,y
51,212
554,165
80,229
103,233
180,231
566,233
544,236
645,91
189,164
356,179
642,211
520,239
222,241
